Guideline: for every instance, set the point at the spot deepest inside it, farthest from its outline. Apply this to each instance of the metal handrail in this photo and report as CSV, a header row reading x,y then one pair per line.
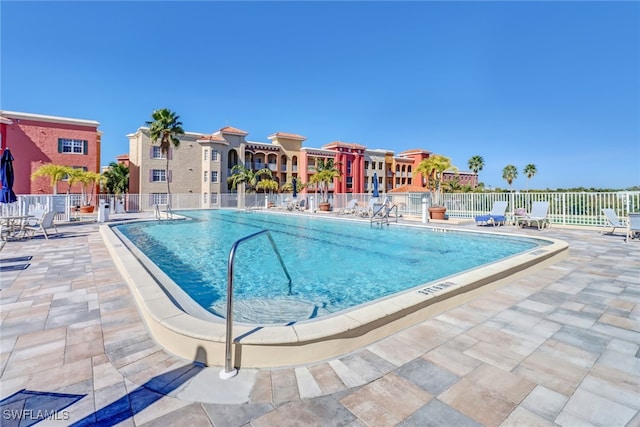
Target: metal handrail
x,y
384,216
229,371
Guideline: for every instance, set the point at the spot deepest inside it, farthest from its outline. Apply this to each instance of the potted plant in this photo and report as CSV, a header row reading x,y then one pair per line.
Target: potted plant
x,y
432,168
88,181
325,174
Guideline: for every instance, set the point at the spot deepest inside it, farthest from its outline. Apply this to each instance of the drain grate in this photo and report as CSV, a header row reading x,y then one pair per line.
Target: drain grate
x,y
430,290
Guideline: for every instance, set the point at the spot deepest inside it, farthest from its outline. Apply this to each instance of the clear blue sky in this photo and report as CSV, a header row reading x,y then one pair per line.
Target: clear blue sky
x,y
556,84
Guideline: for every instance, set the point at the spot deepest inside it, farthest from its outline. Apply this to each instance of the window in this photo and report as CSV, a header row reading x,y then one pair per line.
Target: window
x,y
214,198
206,176
206,154
366,164
214,156
380,165
73,146
214,176
348,166
204,198
158,175
158,199
156,153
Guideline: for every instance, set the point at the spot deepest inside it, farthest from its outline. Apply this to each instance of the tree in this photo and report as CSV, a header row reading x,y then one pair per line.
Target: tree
x,y
509,174
87,180
55,172
242,175
529,170
326,172
116,179
433,167
165,130
476,163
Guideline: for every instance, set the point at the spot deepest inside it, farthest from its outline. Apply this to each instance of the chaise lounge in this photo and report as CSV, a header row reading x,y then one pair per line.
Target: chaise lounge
x,y
612,220
633,226
497,216
538,216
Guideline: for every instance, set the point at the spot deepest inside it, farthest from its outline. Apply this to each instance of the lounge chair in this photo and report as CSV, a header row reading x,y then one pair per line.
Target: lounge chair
x,y
301,205
40,224
612,220
633,226
538,215
497,216
351,208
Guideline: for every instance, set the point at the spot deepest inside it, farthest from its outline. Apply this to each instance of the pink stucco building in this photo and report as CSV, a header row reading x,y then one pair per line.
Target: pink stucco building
x,y
36,140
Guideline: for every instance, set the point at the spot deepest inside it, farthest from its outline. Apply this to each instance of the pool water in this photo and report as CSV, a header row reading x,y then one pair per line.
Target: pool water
x,y
334,265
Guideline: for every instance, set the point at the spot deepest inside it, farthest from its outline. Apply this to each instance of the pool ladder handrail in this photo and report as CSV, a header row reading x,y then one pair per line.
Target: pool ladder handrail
x,y
229,371
381,216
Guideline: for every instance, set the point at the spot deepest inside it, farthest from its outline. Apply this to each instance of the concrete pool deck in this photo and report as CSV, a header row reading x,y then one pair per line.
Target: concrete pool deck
x,y
560,346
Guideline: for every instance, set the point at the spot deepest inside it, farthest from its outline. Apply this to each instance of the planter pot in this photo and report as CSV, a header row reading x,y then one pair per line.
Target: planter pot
x,y
86,209
437,212
324,206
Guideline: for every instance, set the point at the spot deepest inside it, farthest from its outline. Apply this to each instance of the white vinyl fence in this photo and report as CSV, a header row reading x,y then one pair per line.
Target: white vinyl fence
x,y
564,208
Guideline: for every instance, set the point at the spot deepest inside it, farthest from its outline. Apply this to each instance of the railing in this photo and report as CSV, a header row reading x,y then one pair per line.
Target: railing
x,y
564,208
229,371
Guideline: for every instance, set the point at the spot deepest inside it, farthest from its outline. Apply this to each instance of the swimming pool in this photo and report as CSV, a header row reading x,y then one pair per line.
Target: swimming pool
x,y
185,329
334,265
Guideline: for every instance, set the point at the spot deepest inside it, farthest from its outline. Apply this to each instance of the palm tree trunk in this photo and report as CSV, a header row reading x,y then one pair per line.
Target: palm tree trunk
x,y
167,178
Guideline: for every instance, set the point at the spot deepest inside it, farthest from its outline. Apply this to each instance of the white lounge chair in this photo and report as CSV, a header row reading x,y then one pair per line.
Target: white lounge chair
x,y
612,220
40,224
497,216
538,215
633,226
351,208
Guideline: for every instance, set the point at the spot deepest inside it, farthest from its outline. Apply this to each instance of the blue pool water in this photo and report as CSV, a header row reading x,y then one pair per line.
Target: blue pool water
x,y
334,265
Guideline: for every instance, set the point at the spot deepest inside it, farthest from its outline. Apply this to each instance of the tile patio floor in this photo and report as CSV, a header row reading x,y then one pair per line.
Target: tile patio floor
x,y
559,347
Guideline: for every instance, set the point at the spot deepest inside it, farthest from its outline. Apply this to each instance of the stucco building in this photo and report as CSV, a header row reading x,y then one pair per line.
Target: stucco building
x,y
203,163
36,140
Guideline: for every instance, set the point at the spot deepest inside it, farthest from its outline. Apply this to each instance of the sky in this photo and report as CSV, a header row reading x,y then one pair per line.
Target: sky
x,y
554,84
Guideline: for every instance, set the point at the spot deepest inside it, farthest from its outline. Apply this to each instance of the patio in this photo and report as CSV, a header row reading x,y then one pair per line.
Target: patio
x,y
559,346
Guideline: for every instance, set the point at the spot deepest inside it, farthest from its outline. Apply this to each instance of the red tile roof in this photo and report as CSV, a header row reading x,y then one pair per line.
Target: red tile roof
x,y
340,144
229,129
288,136
409,189
215,137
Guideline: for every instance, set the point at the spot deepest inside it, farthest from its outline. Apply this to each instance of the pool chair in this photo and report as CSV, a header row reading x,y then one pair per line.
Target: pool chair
x,y
612,220
497,216
350,209
42,224
301,205
538,216
633,226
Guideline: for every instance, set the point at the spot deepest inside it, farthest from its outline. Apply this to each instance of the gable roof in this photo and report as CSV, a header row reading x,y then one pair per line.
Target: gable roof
x,y
232,130
288,136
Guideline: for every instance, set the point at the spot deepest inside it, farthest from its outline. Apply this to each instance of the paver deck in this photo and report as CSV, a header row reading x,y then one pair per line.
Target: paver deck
x,y
558,347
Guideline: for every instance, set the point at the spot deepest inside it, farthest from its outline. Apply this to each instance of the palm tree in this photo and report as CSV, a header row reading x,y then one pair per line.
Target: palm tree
x,y
476,163
55,172
87,180
509,173
165,130
326,172
250,178
117,179
432,167
529,170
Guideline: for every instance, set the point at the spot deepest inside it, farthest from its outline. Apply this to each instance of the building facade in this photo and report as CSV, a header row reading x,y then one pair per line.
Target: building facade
x,y
203,164
36,140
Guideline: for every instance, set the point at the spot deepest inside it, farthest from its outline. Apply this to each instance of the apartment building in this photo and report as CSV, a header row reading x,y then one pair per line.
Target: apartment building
x,y
203,163
36,140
